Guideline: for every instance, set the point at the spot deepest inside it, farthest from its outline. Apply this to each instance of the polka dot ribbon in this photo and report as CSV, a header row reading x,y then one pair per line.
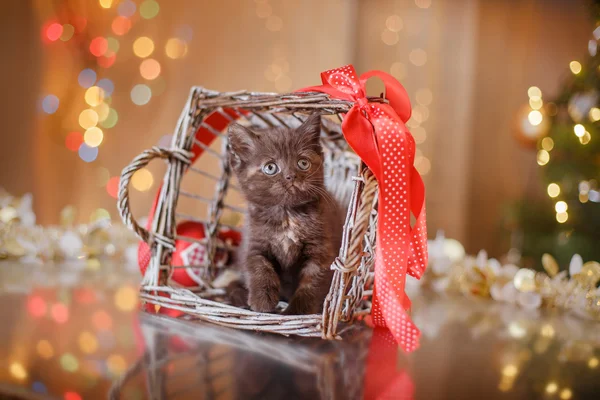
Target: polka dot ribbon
x,y
376,132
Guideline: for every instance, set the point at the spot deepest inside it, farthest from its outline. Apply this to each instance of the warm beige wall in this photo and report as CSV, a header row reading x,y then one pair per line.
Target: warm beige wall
x,y
481,57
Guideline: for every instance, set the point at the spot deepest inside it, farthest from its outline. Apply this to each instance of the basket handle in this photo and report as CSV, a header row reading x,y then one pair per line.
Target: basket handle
x,y
136,164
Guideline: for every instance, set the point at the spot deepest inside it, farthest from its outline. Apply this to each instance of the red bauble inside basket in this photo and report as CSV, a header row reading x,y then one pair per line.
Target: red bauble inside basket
x,y
189,252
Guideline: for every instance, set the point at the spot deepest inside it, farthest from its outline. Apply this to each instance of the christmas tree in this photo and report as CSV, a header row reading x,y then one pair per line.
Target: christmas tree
x,y
566,219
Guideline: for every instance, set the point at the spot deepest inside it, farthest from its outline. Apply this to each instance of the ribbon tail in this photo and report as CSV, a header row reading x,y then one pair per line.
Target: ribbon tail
x,y
417,260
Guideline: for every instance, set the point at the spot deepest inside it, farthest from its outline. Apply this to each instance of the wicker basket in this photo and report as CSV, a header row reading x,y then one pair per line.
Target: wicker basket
x,y
200,132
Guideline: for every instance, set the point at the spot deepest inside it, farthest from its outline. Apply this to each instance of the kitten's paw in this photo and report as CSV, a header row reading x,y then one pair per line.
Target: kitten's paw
x,y
302,304
238,294
264,299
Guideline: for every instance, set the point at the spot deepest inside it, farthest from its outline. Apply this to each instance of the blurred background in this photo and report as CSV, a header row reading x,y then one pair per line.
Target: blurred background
x,y
89,84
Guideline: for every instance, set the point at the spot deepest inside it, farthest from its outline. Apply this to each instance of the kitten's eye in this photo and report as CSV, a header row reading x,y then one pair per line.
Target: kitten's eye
x,y
303,164
270,168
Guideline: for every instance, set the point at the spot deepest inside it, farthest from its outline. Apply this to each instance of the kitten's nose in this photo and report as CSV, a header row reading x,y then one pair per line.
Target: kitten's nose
x,y
290,177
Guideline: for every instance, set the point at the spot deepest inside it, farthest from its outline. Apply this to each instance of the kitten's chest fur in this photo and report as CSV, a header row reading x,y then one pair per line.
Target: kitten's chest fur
x,y
286,232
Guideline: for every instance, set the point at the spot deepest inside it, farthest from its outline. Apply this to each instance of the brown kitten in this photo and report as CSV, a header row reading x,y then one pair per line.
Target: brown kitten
x,y
293,228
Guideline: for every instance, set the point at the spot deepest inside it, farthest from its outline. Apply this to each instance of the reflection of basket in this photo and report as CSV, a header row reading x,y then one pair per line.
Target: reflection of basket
x,y
200,127
184,361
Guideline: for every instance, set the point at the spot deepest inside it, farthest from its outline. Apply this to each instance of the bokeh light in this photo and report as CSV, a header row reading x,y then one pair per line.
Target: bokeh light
x,y
116,364
536,103
126,298
110,120
18,371
394,23
175,48
50,104
575,67
594,114
283,84
543,157
67,33
88,118
149,9
141,94
553,190
551,387
60,313
420,134
150,69
126,8
98,46
143,47
93,136
390,38
585,139
142,180
36,306
112,186
99,214
87,153
418,57
113,45
424,97
54,31
94,96
72,396
535,117
39,387
73,140
106,61
88,343
105,3
579,130
398,70
121,25
102,320
69,363
593,362
547,143
423,3
561,206
534,91
86,78
566,394
102,110
107,86
45,349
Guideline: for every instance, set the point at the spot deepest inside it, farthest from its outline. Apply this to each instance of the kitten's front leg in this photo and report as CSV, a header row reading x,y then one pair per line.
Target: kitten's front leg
x,y
311,291
263,284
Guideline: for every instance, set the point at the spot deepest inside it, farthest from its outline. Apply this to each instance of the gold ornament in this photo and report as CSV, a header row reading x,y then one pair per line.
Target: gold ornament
x,y
550,265
524,280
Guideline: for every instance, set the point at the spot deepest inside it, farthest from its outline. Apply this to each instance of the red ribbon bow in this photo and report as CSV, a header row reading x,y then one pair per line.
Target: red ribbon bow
x,y
376,132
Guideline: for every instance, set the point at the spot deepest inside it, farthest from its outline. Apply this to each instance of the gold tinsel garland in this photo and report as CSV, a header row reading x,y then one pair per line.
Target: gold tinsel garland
x,y
574,290
21,239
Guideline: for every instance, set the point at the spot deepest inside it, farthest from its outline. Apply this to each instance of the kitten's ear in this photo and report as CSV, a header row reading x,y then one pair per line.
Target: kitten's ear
x,y
312,127
241,140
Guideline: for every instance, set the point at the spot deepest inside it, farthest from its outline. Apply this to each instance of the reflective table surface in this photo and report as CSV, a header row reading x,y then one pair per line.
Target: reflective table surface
x,y
73,332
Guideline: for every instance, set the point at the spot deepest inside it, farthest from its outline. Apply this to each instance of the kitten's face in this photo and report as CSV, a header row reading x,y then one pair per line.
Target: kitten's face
x,y
278,166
